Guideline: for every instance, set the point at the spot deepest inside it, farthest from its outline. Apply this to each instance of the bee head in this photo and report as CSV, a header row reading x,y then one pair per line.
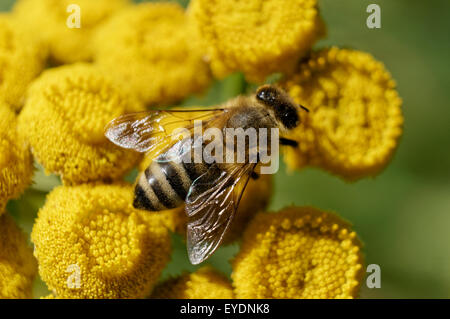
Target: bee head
x,y
284,109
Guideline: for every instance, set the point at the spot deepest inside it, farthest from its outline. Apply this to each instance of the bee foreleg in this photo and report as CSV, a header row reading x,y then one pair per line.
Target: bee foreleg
x,y
254,175
288,142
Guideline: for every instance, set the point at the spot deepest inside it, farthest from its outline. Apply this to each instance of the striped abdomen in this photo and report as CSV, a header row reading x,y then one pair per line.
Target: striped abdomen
x,y
165,185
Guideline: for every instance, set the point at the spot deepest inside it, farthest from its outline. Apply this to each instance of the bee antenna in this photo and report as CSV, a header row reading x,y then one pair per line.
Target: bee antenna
x,y
307,110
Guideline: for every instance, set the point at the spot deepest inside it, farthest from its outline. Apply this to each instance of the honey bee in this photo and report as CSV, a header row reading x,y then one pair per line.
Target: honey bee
x,y
210,190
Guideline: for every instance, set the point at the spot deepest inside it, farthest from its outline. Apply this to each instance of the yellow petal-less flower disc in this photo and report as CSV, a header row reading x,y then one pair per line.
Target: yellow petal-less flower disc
x,y
205,283
355,117
17,264
256,37
64,118
21,60
299,252
57,22
16,164
91,243
151,50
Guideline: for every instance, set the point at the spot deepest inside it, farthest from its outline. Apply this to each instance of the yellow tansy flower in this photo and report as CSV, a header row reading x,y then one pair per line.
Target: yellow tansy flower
x,y
21,60
151,50
16,164
205,283
54,21
299,252
256,37
93,232
64,119
17,265
355,118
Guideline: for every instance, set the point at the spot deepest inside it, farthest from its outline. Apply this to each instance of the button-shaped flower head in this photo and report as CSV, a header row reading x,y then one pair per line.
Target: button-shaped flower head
x,y
16,164
256,37
91,243
64,119
205,283
355,117
17,265
57,24
298,253
151,49
21,60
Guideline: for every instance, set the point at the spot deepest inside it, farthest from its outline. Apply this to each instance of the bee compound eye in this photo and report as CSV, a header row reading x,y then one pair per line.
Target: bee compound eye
x,y
266,95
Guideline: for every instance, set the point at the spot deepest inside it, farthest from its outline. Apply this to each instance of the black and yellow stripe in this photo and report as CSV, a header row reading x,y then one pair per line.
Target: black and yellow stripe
x,y
165,185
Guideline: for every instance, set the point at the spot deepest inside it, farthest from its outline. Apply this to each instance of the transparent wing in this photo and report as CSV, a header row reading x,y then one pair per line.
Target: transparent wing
x,y
211,204
180,151
145,131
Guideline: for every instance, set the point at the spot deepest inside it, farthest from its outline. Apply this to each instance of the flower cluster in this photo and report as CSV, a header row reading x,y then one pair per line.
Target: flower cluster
x,y
89,241
256,37
16,165
205,283
17,265
22,58
153,53
64,118
298,253
66,44
355,117
93,232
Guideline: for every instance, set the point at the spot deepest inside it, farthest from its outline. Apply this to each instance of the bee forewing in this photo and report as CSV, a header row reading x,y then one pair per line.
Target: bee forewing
x,y
145,131
211,204
134,131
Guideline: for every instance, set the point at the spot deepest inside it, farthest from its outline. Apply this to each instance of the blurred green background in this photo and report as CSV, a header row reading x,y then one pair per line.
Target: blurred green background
x,y
403,215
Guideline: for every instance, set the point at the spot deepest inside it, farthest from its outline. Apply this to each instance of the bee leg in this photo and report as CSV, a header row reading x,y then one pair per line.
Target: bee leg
x,y
288,142
255,175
